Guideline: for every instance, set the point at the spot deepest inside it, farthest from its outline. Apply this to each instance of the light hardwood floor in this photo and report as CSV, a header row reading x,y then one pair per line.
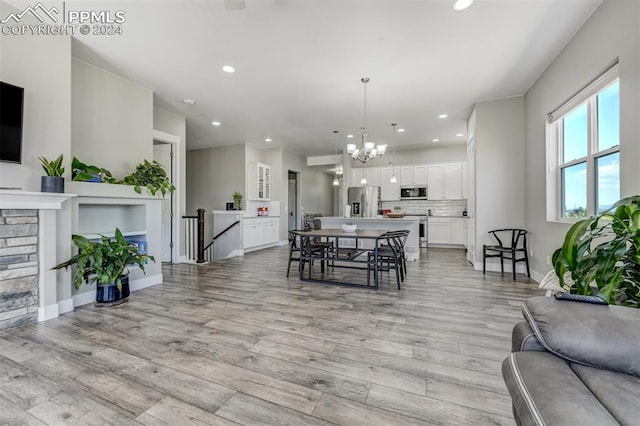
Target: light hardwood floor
x,y
235,342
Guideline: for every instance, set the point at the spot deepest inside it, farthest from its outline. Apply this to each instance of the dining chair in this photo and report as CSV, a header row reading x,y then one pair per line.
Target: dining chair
x,y
390,256
513,248
311,246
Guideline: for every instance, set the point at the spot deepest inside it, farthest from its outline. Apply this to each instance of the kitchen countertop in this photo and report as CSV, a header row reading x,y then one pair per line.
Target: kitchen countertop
x,y
406,218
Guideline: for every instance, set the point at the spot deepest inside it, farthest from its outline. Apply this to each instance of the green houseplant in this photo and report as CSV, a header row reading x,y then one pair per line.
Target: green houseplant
x,y
604,251
237,199
105,262
151,175
53,181
82,172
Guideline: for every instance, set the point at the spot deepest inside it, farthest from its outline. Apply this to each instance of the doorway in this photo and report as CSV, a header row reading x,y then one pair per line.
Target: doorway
x,y
163,154
292,201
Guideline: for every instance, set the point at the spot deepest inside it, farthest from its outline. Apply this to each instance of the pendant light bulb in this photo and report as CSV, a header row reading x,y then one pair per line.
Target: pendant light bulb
x,y
363,181
393,179
336,182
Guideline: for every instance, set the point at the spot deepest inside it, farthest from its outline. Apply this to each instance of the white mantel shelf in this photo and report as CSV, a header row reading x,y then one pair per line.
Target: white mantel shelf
x,y
109,190
16,199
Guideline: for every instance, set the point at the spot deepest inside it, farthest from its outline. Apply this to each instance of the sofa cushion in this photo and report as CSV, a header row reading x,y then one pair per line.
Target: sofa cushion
x,y
545,391
595,335
618,392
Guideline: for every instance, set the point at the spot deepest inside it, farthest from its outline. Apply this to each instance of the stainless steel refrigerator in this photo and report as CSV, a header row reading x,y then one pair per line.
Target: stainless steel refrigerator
x,y
364,200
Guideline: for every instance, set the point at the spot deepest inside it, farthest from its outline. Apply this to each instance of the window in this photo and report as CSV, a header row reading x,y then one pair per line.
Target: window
x,y
583,151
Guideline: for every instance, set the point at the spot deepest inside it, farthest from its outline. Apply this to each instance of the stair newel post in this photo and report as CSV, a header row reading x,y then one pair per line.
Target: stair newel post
x,y
200,236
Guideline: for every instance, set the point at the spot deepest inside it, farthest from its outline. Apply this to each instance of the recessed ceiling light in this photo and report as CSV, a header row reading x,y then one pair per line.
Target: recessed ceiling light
x,y
349,136
267,140
461,5
443,115
459,134
435,140
189,101
215,123
228,68
400,130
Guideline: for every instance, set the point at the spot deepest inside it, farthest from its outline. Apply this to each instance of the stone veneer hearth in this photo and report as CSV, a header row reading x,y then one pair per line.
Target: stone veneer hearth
x,y
18,267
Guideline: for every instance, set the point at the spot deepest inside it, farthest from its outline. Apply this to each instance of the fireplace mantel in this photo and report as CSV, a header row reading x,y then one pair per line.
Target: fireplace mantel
x,y
54,224
17,199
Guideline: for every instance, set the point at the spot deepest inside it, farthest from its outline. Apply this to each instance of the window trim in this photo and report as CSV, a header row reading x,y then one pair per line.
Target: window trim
x,y
554,136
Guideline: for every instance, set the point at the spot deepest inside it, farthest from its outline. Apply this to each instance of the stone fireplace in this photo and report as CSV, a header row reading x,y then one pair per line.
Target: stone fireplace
x,y
18,267
30,223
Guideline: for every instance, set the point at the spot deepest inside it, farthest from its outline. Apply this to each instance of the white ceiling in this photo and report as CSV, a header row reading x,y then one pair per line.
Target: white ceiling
x,y
299,64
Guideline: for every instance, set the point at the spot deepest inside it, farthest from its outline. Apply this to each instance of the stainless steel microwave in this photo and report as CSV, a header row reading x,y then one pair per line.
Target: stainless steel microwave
x,y
414,192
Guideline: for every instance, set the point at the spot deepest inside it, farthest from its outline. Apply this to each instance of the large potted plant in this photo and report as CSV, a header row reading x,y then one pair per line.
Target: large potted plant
x,y
601,255
53,181
106,263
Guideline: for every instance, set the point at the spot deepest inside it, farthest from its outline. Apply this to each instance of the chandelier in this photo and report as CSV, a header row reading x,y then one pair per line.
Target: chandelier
x,y
367,150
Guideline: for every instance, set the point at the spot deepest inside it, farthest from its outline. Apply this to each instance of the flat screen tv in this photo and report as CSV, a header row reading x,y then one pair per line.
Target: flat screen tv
x,y
11,107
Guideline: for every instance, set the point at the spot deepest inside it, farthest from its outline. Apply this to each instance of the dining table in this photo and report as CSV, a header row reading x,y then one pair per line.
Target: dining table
x,y
348,250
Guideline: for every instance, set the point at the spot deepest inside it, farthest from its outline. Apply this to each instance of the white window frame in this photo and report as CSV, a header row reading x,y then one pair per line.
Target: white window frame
x,y
554,144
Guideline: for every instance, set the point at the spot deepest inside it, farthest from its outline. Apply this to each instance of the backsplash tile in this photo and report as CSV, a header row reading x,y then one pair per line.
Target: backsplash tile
x,y
420,207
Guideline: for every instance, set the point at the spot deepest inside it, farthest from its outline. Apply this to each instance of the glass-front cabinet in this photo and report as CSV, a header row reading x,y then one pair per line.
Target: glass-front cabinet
x,y
259,182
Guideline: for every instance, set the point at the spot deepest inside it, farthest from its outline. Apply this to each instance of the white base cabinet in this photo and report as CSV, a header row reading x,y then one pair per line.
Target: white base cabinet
x,y
447,231
260,232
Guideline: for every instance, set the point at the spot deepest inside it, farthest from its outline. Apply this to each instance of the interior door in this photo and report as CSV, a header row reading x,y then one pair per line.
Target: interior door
x,y
162,154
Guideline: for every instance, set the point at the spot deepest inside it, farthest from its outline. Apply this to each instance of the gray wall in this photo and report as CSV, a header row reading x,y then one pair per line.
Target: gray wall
x,y
315,186
213,174
42,66
112,125
499,165
612,31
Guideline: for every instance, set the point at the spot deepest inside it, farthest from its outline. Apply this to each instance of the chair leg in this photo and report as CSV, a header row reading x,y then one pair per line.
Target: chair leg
x,y
501,265
484,260
289,264
526,262
513,263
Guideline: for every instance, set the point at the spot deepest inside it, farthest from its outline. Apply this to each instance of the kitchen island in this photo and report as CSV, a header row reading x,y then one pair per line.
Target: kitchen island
x,y
412,224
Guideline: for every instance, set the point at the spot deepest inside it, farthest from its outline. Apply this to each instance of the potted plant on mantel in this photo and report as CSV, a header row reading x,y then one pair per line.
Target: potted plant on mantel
x,y
601,255
53,181
106,263
151,175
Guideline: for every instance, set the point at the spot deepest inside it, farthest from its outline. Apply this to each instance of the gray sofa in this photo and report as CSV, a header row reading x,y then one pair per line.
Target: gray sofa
x,y
575,364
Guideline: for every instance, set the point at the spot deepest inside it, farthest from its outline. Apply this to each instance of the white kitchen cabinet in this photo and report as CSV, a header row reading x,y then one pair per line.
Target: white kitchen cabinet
x,y
373,176
459,231
260,232
389,191
413,175
445,181
356,176
259,182
439,230
420,175
435,181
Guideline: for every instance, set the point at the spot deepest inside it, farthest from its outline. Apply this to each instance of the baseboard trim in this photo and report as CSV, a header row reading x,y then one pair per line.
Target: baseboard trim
x,y
145,282
85,298
48,312
90,296
235,253
65,306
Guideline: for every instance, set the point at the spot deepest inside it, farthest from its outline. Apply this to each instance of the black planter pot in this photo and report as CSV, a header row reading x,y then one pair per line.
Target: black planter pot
x,y
52,184
109,293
